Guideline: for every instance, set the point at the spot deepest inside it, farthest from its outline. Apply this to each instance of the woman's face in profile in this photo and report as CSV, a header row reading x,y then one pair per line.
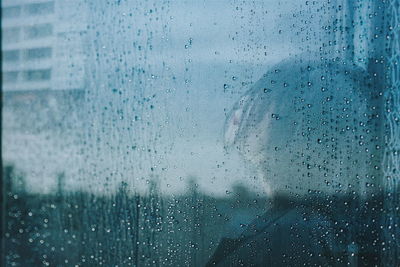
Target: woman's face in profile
x,y
301,138
282,155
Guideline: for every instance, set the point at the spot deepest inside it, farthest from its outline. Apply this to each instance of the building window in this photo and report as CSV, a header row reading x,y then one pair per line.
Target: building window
x,y
37,75
11,55
40,8
38,53
10,76
11,12
11,35
39,31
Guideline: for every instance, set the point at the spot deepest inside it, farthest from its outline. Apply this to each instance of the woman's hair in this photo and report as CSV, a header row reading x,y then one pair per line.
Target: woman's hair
x,y
310,117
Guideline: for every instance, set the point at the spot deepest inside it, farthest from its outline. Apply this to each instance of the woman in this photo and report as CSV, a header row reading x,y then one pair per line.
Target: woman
x,y
307,127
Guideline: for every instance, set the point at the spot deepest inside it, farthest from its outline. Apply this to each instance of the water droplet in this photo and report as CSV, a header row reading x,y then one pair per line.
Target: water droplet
x,y
275,116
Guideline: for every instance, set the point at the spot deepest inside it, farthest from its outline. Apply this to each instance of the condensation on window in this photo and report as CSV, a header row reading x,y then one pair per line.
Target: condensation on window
x,y
200,133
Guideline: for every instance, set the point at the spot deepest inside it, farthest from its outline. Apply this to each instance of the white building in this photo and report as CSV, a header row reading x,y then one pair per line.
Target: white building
x,y
42,41
43,71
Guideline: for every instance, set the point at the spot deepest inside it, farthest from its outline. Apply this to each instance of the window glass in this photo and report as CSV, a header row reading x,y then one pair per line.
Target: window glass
x,y
10,76
11,11
38,31
39,9
38,53
200,133
37,75
11,55
11,35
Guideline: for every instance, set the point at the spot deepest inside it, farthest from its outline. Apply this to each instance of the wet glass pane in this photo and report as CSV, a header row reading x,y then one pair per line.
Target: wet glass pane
x,y
200,133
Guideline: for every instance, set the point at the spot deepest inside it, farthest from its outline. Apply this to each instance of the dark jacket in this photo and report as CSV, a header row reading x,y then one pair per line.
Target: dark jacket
x,y
307,233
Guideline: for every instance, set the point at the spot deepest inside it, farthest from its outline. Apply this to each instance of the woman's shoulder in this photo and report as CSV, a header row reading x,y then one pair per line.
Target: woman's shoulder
x,y
290,234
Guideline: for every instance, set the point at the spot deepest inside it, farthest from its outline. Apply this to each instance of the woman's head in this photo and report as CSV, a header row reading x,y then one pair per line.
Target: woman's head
x,y
305,125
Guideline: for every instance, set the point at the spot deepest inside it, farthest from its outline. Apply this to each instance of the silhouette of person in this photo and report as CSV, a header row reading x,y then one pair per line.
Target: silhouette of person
x,y
307,128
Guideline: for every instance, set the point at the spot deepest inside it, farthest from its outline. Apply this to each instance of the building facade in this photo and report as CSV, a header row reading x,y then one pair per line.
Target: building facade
x,y
43,82
42,41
